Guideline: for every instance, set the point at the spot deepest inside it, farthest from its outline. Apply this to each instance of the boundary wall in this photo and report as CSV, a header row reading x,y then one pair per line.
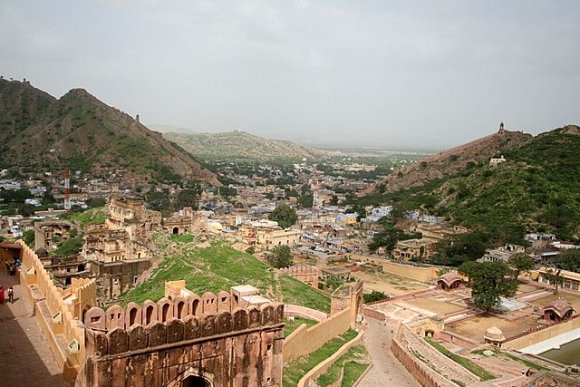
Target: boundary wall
x,y
542,335
304,312
417,273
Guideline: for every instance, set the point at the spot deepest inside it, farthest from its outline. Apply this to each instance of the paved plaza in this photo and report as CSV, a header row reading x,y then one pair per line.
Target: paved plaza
x,y
26,359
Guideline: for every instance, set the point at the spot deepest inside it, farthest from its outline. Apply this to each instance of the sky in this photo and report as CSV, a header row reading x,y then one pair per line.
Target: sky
x,y
391,74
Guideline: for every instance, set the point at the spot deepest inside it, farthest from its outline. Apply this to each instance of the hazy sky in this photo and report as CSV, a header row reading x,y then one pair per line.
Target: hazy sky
x,y
383,73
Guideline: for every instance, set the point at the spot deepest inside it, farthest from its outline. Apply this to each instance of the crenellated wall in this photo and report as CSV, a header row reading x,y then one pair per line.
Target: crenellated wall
x,y
160,344
305,274
57,319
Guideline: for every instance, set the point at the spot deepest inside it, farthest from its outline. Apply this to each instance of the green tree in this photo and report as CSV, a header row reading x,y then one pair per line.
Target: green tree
x,y
489,282
553,277
71,246
284,215
28,238
158,200
334,200
569,260
374,296
520,262
332,283
280,257
186,198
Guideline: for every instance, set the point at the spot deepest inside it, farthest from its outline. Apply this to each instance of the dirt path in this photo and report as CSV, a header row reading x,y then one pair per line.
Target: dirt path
x,y
386,370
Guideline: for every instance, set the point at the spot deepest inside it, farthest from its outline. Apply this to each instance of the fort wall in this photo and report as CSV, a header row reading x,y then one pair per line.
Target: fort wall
x,y
163,343
305,274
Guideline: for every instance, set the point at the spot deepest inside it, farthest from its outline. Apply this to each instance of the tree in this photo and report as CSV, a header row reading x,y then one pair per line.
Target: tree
x,y
520,262
569,260
489,282
332,283
374,296
280,257
186,198
553,277
284,215
158,200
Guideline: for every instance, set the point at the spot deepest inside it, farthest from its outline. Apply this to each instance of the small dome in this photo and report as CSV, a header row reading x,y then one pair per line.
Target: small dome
x,y
560,305
494,334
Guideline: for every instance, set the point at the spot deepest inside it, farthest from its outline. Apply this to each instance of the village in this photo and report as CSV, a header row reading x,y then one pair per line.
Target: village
x,y
89,257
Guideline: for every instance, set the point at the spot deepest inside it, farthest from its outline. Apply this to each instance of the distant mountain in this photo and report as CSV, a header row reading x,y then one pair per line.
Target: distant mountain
x,y
238,145
41,133
453,160
535,189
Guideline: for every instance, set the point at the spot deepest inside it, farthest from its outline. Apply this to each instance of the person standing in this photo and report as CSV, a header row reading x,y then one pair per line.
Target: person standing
x,y
11,294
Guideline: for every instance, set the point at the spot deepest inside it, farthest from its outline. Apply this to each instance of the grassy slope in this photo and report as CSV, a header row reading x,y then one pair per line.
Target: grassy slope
x,y
220,267
297,368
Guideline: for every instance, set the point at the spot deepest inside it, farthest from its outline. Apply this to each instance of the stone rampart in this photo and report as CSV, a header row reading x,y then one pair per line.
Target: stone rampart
x,y
62,331
165,343
305,340
417,273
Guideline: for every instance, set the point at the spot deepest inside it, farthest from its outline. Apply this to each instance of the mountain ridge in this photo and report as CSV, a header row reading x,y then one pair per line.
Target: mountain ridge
x,y
241,145
79,131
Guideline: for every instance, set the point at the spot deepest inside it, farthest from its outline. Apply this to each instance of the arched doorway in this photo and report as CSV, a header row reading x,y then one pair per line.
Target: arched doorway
x,y
175,230
195,381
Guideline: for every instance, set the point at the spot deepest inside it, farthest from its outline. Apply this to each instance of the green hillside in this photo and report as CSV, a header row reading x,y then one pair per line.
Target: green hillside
x,y
220,267
537,188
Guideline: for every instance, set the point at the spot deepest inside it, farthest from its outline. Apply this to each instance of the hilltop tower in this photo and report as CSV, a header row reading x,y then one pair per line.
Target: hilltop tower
x,y
501,129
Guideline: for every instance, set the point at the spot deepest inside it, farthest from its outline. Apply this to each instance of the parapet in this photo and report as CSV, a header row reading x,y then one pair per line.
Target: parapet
x,y
151,324
298,270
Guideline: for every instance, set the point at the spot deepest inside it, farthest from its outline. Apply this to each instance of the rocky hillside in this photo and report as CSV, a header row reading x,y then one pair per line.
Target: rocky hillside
x,y
453,160
41,133
535,189
238,145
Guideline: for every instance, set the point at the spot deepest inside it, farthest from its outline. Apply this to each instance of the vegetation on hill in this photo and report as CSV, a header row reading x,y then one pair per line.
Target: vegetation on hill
x,y
219,267
241,146
40,133
536,189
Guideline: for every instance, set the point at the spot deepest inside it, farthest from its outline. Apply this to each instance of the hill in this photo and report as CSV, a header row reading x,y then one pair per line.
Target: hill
x,y
219,267
536,189
453,160
238,145
41,133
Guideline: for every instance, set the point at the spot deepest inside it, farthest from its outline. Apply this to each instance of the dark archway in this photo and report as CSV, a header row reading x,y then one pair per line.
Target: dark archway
x,y
195,381
175,230
81,267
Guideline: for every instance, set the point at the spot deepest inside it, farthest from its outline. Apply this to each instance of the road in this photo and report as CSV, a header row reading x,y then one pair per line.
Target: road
x,y
386,370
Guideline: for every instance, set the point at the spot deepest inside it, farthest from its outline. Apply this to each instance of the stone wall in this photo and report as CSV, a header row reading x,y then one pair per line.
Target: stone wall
x,y
163,343
417,273
544,334
305,274
304,312
423,373
59,325
305,340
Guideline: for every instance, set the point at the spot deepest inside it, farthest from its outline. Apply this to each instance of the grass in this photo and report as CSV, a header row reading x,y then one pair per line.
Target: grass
x,y
462,361
352,364
88,217
219,267
291,325
528,363
298,293
297,368
184,238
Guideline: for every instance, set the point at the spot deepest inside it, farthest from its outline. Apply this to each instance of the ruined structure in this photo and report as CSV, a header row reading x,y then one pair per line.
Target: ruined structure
x,y
63,269
49,233
182,222
305,274
209,340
